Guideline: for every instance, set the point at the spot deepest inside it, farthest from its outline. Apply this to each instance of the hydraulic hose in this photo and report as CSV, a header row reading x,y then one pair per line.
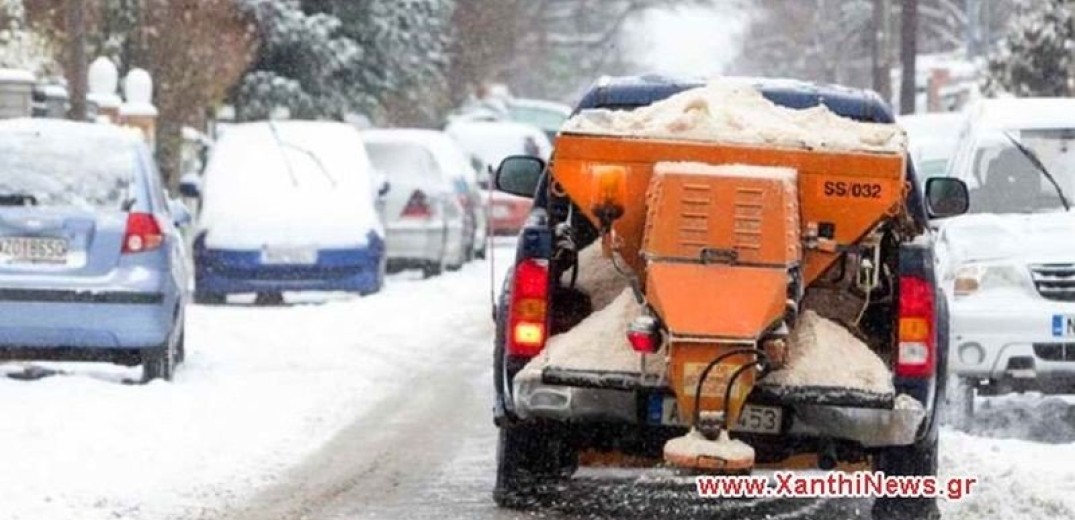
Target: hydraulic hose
x,y
705,373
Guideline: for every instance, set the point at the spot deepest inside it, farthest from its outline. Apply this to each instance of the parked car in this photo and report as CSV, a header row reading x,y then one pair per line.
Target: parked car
x,y
92,263
932,138
312,225
1010,264
490,142
549,116
426,222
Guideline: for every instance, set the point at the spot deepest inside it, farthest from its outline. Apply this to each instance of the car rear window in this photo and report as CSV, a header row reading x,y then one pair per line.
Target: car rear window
x,y
45,168
402,160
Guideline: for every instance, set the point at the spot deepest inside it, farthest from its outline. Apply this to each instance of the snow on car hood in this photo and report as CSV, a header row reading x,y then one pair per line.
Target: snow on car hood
x,y
1042,237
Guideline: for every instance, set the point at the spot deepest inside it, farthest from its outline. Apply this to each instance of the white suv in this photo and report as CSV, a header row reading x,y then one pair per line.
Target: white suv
x,y
1009,264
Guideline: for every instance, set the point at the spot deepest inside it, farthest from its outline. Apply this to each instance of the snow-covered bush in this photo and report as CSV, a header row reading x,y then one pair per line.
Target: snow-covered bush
x,y
1036,56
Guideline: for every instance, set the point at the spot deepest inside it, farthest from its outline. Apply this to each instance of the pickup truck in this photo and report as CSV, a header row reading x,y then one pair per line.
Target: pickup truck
x,y
551,424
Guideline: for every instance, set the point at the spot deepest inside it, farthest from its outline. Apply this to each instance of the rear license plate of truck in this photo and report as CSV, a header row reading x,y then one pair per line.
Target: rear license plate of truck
x,y
33,250
1063,326
282,256
753,419
759,419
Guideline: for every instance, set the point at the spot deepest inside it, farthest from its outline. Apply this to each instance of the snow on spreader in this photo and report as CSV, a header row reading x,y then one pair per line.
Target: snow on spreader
x,y
716,239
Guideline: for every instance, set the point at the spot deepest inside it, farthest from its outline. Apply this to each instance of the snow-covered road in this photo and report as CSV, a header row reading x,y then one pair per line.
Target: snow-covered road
x,y
379,407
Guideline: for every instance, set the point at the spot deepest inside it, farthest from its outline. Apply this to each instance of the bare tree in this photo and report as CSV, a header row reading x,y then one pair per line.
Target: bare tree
x,y
908,55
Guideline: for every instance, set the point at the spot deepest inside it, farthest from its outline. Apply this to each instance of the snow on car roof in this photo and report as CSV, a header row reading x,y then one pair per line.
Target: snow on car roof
x,y
445,150
1019,113
492,141
309,184
541,104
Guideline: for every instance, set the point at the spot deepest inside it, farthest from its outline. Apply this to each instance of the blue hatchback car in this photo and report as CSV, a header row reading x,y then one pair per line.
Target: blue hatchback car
x,y
92,263
288,206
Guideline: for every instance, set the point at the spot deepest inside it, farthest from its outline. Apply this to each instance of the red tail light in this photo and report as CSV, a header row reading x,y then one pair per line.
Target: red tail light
x,y
417,206
143,233
527,325
643,335
917,354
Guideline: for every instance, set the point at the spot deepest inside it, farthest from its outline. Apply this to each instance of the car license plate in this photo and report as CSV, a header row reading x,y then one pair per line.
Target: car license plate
x,y
288,256
759,419
33,250
1063,326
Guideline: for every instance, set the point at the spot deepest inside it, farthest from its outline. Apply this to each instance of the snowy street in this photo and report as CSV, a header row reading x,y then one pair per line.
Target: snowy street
x,y
300,412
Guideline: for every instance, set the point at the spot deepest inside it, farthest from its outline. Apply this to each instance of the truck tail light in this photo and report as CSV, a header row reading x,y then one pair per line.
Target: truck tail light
x,y
644,335
417,206
527,312
917,351
143,233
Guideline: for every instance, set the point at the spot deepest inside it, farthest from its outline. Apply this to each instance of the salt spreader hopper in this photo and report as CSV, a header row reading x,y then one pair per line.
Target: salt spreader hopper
x,y
723,240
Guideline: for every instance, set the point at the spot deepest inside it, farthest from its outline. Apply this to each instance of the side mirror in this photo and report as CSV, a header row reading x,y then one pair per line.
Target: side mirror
x,y
190,185
180,213
519,175
946,197
384,189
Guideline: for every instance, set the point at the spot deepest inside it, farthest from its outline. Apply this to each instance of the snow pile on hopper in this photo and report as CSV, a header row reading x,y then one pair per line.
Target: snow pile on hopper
x,y
823,354
735,112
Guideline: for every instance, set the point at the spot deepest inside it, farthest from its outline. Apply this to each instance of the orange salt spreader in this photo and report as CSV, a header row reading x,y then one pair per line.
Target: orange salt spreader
x,y
724,239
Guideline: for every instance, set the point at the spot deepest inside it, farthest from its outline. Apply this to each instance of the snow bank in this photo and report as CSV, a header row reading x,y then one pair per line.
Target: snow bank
x,y
262,389
597,277
735,112
824,354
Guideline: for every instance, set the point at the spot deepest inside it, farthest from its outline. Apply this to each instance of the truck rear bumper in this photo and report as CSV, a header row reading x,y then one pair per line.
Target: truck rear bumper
x,y
867,426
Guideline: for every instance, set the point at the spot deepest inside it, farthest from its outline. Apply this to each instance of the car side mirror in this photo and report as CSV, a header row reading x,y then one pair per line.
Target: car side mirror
x,y
946,197
190,185
180,213
384,189
519,175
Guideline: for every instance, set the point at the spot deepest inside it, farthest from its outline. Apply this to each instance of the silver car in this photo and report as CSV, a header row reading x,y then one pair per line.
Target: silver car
x,y
425,220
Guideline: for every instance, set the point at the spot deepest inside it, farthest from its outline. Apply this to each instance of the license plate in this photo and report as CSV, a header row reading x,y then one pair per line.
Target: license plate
x,y
33,250
759,419
282,256
1063,326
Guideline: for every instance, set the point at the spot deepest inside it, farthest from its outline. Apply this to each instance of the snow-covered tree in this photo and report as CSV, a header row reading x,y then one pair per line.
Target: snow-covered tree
x,y
20,46
1036,56
328,58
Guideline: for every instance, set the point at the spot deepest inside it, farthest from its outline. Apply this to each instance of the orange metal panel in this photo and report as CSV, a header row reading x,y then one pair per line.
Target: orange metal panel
x,y
755,218
686,363
851,190
716,301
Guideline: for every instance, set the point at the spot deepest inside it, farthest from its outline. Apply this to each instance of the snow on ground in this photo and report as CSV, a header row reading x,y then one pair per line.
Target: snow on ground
x,y
262,388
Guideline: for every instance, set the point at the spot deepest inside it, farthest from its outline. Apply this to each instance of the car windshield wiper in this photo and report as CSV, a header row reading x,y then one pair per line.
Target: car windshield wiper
x,y
317,160
1036,161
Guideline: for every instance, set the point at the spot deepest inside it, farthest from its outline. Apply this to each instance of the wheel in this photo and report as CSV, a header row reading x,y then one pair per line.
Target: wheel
x,y
159,363
270,298
432,269
531,459
919,459
181,349
204,298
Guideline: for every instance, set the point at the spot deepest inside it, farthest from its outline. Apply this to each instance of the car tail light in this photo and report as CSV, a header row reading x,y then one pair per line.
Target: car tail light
x,y
417,206
527,324
143,233
917,352
643,334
